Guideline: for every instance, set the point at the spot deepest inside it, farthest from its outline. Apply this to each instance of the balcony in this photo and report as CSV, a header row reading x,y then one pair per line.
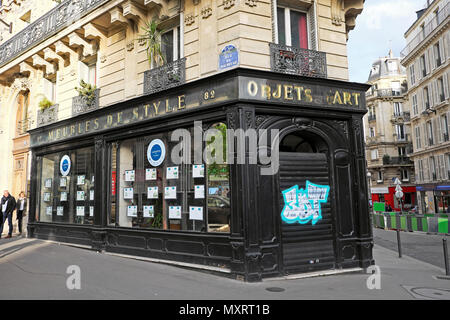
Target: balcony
x,y
441,16
81,104
170,75
401,116
46,26
386,93
23,126
47,116
396,160
303,62
401,138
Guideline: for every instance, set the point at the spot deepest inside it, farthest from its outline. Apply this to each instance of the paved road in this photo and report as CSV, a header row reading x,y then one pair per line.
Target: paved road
x,y
35,269
419,245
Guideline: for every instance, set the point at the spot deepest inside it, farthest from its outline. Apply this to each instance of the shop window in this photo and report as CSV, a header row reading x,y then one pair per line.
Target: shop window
x,y
292,28
66,181
169,195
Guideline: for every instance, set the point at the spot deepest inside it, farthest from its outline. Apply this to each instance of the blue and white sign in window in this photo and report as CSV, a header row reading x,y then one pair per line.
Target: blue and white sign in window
x,y
229,57
64,165
156,152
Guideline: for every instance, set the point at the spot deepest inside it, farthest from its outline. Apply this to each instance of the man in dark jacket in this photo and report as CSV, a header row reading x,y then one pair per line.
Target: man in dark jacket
x,y
7,207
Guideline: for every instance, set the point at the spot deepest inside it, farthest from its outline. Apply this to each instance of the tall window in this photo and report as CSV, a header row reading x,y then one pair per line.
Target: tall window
x,y
372,132
404,175
400,129
397,108
412,74
374,154
414,104
418,142
426,98
380,176
420,169
401,152
49,88
444,127
88,71
437,54
432,162
171,44
292,28
441,92
430,133
423,66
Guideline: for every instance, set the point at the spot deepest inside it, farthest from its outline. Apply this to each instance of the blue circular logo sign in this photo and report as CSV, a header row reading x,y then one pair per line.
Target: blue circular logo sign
x,y
156,152
64,165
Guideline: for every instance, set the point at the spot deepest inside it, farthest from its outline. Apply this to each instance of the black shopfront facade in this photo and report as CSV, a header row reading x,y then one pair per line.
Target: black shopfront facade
x,y
93,181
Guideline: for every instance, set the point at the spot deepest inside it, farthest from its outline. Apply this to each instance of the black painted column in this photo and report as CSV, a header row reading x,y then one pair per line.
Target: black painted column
x,y
100,212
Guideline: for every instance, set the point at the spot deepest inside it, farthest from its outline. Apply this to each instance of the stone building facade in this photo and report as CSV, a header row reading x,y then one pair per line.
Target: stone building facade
x,y
98,160
388,134
427,59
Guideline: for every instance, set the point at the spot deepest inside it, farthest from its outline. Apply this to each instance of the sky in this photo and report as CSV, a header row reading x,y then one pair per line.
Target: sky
x,y
381,26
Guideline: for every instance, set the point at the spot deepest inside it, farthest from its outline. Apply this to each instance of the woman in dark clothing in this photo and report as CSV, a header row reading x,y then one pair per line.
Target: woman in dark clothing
x,y
21,208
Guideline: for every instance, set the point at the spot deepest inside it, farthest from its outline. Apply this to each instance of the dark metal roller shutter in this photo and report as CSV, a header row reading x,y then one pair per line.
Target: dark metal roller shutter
x,y
306,247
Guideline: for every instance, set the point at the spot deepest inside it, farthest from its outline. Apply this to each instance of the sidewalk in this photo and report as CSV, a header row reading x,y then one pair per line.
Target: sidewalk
x,y
35,269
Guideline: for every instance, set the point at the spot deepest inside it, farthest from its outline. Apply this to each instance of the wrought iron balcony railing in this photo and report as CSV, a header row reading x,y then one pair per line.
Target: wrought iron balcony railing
x,y
167,76
81,104
386,92
47,116
397,160
441,15
23,126
47,25
304,62
405,116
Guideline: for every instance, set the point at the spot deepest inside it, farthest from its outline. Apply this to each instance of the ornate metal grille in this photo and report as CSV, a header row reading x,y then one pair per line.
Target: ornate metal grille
x,y
47,116
47,25
167,76
304,62
81,104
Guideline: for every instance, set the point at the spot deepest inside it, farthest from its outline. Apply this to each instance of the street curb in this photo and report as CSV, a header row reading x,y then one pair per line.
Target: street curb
x,y
315,274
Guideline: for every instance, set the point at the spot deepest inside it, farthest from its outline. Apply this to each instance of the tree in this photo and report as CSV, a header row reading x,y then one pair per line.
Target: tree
x,y
152,37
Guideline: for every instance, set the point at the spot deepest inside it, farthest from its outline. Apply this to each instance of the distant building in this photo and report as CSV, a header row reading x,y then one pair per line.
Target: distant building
x,y
426,59
388,134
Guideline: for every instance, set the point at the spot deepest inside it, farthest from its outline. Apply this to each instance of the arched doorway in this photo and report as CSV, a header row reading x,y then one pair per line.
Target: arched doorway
x,y
307,221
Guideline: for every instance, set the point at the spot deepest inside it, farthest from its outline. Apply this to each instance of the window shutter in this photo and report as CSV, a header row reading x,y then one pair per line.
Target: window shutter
x,y
427,63
435,92
312,27
445,83
436,131
431,58
448,122
427,169
420,101
431,93
441,49
425,134
446,45
417,70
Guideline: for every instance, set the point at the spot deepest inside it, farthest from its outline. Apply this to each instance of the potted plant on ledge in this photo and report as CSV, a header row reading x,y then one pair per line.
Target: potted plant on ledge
x,y
47,112
87,98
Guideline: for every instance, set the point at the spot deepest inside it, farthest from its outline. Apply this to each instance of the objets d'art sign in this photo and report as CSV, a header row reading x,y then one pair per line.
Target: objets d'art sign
x,y
304,205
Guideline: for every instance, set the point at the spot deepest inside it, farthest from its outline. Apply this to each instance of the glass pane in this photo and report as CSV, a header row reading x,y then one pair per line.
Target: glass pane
x,y
281,26
167,46
299,35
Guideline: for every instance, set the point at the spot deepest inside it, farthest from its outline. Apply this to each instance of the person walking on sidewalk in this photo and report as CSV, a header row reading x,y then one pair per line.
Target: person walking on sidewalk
x,y
21,209
8,205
